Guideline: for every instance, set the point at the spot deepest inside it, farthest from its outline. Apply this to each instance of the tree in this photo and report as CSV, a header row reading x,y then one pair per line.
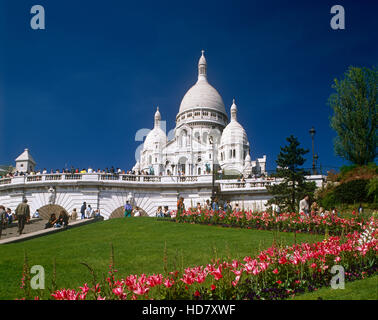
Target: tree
x,y
294,186
355,115
4,170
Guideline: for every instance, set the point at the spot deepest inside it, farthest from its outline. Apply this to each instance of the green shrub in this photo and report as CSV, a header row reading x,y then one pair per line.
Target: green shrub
x,y
352,192
372,189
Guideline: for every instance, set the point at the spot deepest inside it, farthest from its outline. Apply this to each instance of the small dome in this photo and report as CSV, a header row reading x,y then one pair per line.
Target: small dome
x,y
156,135
234,132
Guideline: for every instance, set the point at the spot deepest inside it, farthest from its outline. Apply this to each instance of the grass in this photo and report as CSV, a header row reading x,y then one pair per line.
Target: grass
x,y
138,248
366,289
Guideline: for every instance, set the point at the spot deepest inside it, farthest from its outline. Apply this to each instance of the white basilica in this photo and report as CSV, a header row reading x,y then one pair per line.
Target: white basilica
x,y
203,136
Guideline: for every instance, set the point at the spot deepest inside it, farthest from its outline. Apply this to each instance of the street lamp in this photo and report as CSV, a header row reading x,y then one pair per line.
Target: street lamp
x,y
211,141
312,133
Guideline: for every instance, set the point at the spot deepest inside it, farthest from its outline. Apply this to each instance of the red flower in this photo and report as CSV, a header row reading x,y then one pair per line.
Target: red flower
x,y
213,287
197,294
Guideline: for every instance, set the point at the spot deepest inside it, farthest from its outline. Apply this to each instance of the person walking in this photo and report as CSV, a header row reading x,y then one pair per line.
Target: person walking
x,y
128,209
22,213
82,210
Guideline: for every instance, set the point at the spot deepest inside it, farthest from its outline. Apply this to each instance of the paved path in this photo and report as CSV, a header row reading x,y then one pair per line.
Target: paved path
x,y
36,228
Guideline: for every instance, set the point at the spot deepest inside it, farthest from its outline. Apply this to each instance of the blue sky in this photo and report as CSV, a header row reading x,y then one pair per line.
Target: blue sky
x,y
77,92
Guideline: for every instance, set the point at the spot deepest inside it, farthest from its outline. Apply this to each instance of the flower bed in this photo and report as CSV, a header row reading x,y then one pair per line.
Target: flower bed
x,y
276,273
286,222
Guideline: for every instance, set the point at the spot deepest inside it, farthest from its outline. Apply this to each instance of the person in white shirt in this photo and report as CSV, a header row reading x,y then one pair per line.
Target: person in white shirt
x,y
89,211
136,212
304,205
36,214
90,170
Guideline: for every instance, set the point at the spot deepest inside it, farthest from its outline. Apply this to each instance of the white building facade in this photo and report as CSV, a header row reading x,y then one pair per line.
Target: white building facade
x,y
203,137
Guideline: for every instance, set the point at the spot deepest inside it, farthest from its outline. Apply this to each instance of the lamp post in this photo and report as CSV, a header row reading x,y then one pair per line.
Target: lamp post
x,y
211,141
312,132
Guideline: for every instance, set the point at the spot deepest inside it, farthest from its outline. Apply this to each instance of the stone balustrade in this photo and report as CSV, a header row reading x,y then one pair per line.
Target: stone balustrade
x,y
225,185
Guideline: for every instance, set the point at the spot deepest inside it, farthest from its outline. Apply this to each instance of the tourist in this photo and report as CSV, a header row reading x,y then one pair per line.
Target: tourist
x,y
314,208
9,215
199,209
82,210
321,212
73,215
237,209
304,205
23,214
52,220
136,212
227,206
360,209
128,209
167,213
62,219
180,206
36,214
89,211
207,205
3,217
159,212
215,205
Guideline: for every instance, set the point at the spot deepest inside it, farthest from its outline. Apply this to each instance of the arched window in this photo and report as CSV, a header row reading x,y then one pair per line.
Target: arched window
x,y
233,153
199,171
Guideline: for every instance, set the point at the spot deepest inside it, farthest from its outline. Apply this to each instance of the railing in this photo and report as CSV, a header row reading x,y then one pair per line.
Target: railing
x,y
5,181
73,176
232,184
247,184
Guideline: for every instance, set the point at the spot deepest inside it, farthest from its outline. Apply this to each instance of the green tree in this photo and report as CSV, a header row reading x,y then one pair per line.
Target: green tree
x,y
355,115
4,170
294,186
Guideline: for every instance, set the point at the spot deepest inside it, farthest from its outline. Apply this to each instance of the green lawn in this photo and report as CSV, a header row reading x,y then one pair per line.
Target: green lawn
x,y
138,247
366,289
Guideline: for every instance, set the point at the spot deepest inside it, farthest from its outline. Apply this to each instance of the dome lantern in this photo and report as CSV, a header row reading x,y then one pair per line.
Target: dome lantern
x,y
157,118
202,67
233,111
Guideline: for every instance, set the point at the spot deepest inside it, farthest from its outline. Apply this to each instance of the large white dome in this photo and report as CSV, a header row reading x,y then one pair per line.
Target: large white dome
x,y
202,94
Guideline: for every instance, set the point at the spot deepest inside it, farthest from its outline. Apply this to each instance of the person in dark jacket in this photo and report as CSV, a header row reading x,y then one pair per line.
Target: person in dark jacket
x,y
23,214
82,210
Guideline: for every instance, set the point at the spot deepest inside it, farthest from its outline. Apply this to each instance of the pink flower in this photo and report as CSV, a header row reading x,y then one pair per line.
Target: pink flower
x,y
217,273
168,283
275,271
